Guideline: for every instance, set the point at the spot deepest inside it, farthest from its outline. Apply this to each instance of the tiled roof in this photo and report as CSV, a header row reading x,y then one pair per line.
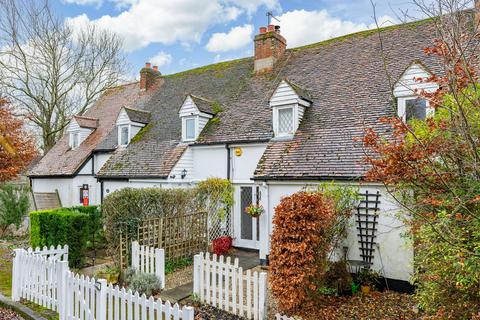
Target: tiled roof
x,y
204,105
86,122
139,116
61,160
344,79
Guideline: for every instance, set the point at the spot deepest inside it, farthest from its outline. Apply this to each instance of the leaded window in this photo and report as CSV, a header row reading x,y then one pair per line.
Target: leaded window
x,y
285,121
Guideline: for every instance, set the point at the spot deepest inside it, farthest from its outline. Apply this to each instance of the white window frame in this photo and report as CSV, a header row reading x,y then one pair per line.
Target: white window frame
x,y
72,135
120,127
276,121
184,128
402,109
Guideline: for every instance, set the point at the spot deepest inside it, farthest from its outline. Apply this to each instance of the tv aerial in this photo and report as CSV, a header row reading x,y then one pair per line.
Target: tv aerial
x,y
270,16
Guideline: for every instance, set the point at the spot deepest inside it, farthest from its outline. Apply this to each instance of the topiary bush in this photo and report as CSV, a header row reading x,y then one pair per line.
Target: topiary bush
x,y
71,226
305,231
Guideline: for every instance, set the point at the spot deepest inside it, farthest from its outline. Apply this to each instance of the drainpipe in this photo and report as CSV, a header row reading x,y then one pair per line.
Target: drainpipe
x,y
228,160
101,192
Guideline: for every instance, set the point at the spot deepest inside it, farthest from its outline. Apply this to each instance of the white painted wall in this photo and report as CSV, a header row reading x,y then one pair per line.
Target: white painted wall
x,y
243,166
73,127
63,185
100,159
406,85
86,168
209,161
189,110
396,253
185,162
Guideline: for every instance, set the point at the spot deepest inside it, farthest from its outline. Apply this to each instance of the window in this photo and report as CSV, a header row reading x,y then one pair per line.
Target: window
x,y
413,108
124,135
189,129
285,121
74,140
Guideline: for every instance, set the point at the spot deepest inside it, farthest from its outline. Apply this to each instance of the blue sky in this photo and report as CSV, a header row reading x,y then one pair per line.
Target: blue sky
x,y
183,34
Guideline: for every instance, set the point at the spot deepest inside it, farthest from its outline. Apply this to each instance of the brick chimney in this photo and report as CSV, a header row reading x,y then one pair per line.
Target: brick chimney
x,y
148,76
269,47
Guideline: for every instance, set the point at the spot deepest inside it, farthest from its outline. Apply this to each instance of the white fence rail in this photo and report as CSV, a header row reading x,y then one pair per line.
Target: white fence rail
x,y
59,253
225,286
48,282
149,260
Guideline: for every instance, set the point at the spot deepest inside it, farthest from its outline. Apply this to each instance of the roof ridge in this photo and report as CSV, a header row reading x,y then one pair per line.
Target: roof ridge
x,y
84,117
138,110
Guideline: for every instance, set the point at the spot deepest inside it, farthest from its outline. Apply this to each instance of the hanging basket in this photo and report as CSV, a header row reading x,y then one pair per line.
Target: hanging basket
x,y
254,210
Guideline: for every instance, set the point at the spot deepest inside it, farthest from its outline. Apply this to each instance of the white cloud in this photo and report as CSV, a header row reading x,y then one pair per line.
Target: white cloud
x,y
236,38
97,3
252,5
161,59
166,22
302,27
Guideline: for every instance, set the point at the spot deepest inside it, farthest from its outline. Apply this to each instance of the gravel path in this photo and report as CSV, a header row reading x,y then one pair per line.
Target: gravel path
x,y
179,277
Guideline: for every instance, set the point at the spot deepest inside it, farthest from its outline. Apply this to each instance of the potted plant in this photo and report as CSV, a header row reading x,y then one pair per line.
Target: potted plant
x,y
254,210
110,273
367,279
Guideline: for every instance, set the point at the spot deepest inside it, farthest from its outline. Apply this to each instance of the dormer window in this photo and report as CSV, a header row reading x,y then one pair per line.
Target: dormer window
x,y
410,104
79,129
195,112
74,140
129,123
124,135
288,104
190,124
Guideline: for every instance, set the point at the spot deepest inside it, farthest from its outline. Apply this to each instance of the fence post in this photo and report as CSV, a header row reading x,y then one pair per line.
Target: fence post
x,y
197,264
61,285
160,265
188,313
135,255
262,296
65,254
102,300
16,272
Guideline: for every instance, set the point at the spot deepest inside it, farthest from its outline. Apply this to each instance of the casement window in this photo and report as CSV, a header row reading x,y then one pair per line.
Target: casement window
x,y
124,135
190,129
413,108
285,121
74,140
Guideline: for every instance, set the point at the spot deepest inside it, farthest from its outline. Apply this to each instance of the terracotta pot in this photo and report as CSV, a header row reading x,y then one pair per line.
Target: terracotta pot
x,y
366,289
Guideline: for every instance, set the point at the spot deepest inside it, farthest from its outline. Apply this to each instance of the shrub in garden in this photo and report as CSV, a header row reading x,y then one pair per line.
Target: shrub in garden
x,y
14,204
222,245
71,226
305,231
144,283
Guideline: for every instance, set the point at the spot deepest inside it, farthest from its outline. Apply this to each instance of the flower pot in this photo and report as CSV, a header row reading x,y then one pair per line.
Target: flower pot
x,y
112,278
366,289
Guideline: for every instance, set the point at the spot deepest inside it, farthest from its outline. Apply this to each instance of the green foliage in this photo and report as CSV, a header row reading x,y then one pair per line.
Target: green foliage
x,y
124,208
172,266
14,204
367,277
216,195
144,283
141,133
448,279
71,226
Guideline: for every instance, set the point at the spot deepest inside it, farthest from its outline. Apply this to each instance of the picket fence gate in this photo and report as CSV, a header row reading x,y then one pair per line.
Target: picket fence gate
x,y
224,285
149,260
49,283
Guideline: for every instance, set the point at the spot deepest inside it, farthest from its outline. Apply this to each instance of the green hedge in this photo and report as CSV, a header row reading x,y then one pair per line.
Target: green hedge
x,y
72,226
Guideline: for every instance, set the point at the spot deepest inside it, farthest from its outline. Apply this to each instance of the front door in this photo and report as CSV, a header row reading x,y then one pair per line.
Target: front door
x,y
246,228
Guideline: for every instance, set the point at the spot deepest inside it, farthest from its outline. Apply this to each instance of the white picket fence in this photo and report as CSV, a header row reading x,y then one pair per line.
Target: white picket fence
x,y
49,282
225,286
149,260
59,253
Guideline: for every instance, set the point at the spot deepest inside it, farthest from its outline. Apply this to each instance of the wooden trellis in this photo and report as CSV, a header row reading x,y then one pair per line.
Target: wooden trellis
x,y
367,221
181,236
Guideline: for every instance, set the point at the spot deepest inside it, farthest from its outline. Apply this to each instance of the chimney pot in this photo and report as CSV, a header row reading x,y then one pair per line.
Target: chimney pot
x,y
148,65
263,30
155,68
271,28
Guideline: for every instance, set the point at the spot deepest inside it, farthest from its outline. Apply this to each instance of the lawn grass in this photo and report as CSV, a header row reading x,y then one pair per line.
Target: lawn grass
x,y
5,269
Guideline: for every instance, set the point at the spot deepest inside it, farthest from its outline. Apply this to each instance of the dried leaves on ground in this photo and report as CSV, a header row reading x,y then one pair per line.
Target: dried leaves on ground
x,y
7,314
378,305
206,312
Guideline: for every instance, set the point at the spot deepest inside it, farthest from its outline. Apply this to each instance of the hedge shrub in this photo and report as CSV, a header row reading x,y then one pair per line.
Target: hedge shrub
x,y
306,228
71,226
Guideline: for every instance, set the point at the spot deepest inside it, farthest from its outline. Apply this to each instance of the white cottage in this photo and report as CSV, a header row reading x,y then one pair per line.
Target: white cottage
x,y
273,124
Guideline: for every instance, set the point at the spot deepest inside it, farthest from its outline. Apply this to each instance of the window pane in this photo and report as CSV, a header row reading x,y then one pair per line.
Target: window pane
x,y
415,108
124,136
285,120
190,128
74,140
246,198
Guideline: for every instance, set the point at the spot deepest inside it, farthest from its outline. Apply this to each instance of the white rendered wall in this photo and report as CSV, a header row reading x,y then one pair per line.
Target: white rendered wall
x,y
100,159
395,251
209,161
63,185
244,165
